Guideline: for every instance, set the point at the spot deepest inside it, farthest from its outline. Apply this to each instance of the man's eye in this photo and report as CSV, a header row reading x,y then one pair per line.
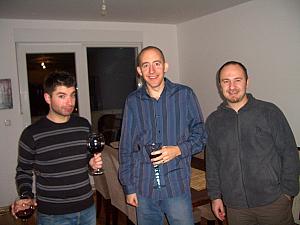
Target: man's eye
x,y
145,66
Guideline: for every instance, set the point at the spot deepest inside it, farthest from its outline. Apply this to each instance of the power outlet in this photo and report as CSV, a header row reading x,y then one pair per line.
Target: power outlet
x,y
7,123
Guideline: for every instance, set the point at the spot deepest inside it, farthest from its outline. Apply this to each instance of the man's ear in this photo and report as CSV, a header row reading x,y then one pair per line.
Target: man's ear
x,y
247,84
47,98
138,69
166,67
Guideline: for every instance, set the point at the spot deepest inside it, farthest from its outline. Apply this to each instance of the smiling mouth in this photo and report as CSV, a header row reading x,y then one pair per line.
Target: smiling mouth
x,y
234,92
152,77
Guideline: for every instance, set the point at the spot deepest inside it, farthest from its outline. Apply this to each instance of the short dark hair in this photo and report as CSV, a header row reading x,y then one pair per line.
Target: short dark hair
x,y
147,48
232,63
58,78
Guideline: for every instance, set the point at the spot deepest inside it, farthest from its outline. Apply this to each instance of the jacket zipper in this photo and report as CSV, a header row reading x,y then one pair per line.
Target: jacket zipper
x,y
240,152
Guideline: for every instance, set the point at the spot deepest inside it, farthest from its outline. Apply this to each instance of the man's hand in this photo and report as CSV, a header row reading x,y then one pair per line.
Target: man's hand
x,y
96,162
167,154
131,199
22,204
218,209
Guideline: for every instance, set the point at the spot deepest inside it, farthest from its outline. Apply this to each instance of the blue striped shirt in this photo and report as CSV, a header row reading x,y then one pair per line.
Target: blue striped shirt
x,y
175,119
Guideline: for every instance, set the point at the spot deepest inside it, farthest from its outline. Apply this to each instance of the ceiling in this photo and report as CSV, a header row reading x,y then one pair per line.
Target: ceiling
x,y
139,11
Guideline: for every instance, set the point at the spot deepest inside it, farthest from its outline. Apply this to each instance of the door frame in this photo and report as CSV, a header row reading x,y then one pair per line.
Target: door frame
x,y
80,67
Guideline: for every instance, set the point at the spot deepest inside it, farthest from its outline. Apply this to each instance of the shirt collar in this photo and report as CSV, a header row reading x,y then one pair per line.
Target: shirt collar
x,y
167,89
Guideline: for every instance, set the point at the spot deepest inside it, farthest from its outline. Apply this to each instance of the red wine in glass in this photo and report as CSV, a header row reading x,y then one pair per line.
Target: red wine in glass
x,y
95,144
26,209
26,213
151,148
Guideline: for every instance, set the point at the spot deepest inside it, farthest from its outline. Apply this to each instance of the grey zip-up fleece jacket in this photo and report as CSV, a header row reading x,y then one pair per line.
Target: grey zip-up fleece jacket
x,y
251,156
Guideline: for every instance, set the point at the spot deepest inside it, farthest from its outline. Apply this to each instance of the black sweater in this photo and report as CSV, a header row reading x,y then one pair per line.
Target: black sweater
x,y
57,154
252,156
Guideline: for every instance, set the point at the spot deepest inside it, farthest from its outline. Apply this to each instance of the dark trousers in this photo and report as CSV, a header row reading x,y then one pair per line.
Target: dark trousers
x,y
276,213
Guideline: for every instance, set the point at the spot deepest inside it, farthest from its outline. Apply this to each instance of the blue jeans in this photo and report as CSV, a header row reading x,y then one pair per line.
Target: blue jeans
x,y
178,211
84,217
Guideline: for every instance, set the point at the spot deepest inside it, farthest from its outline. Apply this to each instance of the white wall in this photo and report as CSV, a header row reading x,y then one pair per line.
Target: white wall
x,y
11,31
264,35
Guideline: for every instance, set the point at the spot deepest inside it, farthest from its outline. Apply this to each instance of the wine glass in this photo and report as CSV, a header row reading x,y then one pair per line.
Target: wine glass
x,y
95,144
24,208
151,148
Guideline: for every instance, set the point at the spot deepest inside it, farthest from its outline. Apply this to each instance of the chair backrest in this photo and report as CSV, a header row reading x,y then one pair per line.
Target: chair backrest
x,y
117,196
110,126
106,121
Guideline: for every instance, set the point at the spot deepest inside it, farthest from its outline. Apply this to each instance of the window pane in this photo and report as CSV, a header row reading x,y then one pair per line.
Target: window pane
x,y
39,65
112,76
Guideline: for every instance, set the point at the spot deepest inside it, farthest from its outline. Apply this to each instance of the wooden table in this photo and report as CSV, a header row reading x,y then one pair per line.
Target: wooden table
x,y
199,197
198,183
198,163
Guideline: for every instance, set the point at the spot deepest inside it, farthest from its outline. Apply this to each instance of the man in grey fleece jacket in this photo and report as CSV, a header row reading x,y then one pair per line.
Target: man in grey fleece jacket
x,y
252,160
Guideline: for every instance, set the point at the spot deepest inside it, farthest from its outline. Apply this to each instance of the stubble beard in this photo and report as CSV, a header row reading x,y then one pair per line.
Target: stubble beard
x,y
62,112
235,98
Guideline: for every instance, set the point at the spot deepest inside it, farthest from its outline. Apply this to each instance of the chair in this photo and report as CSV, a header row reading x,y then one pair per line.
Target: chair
x,y
111,166
202,213
205,216
198,160
110,126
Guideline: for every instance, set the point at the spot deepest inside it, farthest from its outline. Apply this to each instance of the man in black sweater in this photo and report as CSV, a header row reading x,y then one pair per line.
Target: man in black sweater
x,y
54,148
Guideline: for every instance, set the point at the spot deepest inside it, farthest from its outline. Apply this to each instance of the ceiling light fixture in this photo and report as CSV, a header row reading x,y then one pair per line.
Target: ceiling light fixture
x,y
103,8
43,65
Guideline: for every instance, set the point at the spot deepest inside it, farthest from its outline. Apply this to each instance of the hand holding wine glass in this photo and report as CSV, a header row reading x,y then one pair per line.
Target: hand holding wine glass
x,y
95,144
96,161
23,208
163,154
150,148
